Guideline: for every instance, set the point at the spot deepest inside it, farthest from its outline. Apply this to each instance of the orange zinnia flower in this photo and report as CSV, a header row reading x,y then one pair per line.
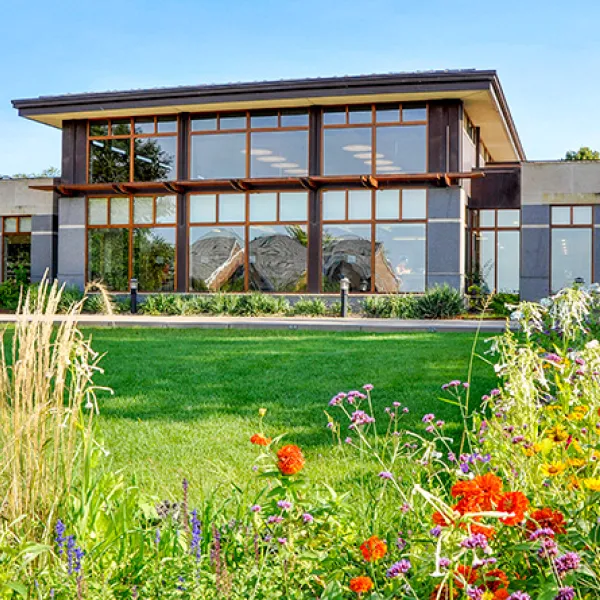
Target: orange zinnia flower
x,y
260,440
361,585
483,492
373,549
291,460
546,517
513,502
495,580
464,574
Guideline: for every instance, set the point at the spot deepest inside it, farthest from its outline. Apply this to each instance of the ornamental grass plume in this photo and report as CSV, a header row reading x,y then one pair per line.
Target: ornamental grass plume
x,y
47,406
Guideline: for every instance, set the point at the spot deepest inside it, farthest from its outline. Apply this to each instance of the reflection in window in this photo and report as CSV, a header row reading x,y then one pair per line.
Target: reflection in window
x,y
166,209
155,158
108,257
347,151
414,204
279,154
508,260
359,205
571,256
218,156
487,258
263,207
232,208
387,204
400,258
17,257
203,208
154,258
109,160
293,206
347,253
98,211
561,215
334,206
119,211
216,261
277,258
143,210
402,149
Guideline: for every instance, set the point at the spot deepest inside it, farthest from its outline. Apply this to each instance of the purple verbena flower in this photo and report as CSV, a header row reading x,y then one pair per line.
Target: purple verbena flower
x,y
274,519
400,568
567,562
428,418
360,417
282,541
538,533
477,540
368,387
284,504
436,531
565,593
519,595
307,518
255,508
385,475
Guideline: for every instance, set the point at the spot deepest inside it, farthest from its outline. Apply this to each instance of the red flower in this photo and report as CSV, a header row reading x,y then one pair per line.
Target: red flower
x,y
361,585
373,549
495,579
291,460
259,439
483,492
513,502
464,574
546,517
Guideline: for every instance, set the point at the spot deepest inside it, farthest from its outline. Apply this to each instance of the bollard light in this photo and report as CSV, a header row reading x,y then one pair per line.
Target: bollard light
x,y
344,289
133,287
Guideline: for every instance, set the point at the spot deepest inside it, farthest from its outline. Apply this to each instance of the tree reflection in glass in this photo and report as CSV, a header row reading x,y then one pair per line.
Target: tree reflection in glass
x,y
154,258
108,257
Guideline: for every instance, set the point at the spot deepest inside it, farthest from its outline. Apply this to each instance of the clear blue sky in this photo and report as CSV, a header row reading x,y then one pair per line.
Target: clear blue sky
x,y
547,54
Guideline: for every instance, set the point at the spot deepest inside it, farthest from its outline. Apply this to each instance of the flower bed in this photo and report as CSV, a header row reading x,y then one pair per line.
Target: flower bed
x,y
505,507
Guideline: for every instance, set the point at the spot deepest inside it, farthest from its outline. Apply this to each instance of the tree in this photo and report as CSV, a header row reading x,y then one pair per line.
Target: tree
x,y
584,153
49,172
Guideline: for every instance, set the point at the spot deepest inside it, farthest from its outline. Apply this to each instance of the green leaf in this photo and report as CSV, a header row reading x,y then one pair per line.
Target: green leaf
x,y
333,591
19,588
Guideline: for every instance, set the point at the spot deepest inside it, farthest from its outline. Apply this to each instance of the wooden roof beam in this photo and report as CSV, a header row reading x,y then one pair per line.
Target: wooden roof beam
x,y
308,183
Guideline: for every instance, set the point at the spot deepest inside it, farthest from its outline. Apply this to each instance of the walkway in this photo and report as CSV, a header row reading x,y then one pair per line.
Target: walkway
x,y
295,323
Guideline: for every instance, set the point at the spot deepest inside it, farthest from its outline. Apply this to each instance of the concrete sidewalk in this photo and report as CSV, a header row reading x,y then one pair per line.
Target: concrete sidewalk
x,y
289,323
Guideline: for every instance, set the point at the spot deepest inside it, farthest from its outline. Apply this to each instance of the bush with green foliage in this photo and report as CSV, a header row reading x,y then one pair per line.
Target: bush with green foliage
x,y
309,307
440,302
503,304
386,307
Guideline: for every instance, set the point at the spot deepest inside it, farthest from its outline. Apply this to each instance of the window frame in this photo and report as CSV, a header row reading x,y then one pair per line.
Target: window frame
x,y
246,223
131,226
248,129
374,124
571,225
10,234
476,229
373,222
131,136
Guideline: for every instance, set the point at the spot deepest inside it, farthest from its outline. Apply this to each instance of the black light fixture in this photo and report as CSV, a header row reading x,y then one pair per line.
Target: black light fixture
x,y
133,287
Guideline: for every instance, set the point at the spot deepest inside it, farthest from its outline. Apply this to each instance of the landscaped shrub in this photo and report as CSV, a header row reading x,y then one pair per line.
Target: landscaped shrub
x,y
440,302
162,304
252,305
9,295
309,307
398,306
503,304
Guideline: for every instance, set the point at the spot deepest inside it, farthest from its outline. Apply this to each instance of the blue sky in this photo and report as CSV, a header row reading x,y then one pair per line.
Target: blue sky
x,y
547,54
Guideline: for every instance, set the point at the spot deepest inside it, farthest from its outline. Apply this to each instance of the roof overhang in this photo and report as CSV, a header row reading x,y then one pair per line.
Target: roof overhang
x,y
480,91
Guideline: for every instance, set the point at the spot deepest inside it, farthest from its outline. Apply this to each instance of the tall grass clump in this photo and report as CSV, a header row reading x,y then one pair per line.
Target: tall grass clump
x,y
47,406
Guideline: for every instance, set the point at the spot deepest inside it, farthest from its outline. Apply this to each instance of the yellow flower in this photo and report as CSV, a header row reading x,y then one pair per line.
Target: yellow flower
x,y
578,413
530,451
262,412
573,483
592,484
576,446
553,407
576,462
557,434
553,469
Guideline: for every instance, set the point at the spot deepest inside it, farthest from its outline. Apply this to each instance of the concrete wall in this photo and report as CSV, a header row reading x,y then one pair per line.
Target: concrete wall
x,y
544,184
17,198
71,241
446,243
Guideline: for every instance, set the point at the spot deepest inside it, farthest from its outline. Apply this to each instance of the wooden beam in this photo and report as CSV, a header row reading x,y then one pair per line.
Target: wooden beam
x,y
308,184
370,182
239,185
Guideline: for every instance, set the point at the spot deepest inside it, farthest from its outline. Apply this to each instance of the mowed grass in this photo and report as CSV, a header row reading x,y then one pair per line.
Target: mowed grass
x,y
186,401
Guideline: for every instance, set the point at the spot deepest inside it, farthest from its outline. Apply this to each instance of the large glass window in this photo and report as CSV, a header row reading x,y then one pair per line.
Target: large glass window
x,y
572,235
17,248
151,141
244,242
386,139
132,236
347,253
495,258
381,252
257,144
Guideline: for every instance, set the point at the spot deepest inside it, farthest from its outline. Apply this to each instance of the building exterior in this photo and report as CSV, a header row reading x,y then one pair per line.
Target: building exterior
x,y
399,182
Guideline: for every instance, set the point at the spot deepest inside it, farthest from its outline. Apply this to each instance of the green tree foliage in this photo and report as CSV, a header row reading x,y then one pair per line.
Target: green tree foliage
x,y
49,172
584,153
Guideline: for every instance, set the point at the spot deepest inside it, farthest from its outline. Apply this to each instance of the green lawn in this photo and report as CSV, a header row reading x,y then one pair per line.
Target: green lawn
x,y
186,401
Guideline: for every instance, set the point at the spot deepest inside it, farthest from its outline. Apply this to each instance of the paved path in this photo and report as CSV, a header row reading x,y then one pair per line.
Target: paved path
x,y
295,323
